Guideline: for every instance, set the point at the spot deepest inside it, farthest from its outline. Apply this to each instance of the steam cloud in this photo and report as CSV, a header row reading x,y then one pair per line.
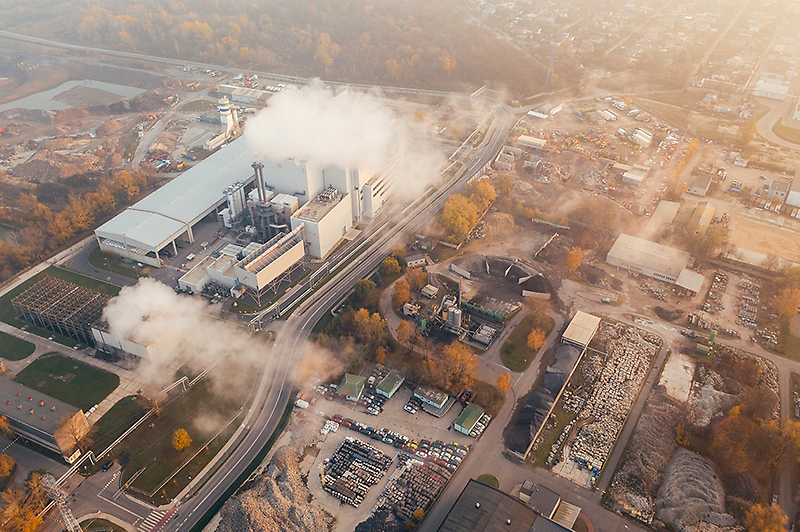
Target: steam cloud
x,y
350,130
182,331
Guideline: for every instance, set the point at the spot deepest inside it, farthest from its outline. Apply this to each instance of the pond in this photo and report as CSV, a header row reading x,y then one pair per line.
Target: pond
x,y
46,100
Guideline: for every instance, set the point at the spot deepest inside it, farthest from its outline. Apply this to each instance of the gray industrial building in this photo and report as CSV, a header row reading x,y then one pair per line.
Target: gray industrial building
x,y
47,422
654,260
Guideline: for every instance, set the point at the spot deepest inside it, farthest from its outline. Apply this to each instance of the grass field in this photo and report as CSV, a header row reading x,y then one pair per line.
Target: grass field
x,y
562,417
210,422
100,525
12,348
116,421
7,314
489,480
791,134
68,380
111,263
516,354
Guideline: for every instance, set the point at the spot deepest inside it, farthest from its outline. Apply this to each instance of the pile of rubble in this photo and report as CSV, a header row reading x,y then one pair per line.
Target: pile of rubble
x,y
629,354
353,469
279,500
691,498
633,488
413,486
45,166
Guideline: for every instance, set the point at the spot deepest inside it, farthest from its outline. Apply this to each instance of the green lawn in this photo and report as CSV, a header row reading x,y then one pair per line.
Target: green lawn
x,y
791,134
12,348
100,525
111,263
68,380
150,445
116,421
489,480
515,353
539,456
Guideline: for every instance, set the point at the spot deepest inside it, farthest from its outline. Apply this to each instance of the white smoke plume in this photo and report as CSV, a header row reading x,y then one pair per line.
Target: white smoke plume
x,y
355,129
182,331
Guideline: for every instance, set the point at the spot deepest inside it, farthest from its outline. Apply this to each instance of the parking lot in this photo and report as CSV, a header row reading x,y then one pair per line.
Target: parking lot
x,y
419,445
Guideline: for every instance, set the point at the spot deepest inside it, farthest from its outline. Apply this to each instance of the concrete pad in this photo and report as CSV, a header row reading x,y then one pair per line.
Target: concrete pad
x,y
677,376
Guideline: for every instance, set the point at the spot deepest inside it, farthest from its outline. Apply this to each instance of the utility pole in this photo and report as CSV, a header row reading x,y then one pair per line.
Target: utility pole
x,y
54,490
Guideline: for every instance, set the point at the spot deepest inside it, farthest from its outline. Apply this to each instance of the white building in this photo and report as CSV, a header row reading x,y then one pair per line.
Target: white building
x,y
796,114
773,91
642,137
700,185
531,142
326,218
654,260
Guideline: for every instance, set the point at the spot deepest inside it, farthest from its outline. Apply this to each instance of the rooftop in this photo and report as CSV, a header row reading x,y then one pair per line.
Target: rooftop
x,y
166,212
390,382
481,508
469,416
544,500
690,280
17,401
351,385
431,395
581,329
266,254
646,254
316,209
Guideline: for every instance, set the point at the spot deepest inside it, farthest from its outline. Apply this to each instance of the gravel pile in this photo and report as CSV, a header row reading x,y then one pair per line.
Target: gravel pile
x,y
278,501
692,499
636,482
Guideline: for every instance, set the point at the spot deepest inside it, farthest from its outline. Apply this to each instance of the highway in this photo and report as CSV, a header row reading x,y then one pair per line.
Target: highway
x,y
276,387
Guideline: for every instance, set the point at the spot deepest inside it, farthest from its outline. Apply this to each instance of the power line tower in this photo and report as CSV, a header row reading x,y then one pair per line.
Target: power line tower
x,y
54,490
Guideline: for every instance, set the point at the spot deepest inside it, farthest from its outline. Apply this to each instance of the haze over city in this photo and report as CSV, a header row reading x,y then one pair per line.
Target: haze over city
x,y
376,266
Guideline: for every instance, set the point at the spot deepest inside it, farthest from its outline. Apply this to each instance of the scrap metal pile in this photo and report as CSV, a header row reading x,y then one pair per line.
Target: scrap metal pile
x,y
413,486
748,308
713,302
353,469
629,354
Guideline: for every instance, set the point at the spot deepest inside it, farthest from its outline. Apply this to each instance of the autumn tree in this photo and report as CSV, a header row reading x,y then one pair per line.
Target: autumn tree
x,y
369,328
459,216
404,332
381,354
402,293
574,259
417,279
536,339
482,194
448,63
504,382
419,515
538,312
5,427
786,302
6,465
762,518
181,440
399,251
390,266
452,368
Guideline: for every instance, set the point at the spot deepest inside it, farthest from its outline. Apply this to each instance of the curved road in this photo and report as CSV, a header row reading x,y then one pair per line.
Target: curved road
x,y
275,389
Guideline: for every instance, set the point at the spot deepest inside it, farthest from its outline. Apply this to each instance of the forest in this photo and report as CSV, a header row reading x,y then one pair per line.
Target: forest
x,y
426,44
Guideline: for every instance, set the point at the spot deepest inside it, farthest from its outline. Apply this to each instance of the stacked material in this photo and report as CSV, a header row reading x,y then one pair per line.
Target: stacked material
x,y
415,487
353,469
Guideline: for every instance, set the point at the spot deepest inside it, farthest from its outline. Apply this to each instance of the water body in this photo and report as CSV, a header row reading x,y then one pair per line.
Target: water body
x,y
45,100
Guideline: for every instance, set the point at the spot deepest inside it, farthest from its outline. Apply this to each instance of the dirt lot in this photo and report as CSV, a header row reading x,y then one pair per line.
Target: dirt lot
x,y
765,238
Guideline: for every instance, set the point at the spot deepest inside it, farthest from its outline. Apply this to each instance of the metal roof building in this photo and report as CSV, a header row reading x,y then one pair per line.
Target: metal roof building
x,y
352,386
390,384
654,260
145,228
481,508
581,329
40,418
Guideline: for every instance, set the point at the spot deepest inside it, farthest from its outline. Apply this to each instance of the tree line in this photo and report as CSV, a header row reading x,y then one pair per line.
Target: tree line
x,y
417,44
45,228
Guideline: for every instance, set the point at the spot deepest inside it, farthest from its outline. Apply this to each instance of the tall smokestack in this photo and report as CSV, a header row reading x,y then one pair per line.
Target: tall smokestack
x,y
259,178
